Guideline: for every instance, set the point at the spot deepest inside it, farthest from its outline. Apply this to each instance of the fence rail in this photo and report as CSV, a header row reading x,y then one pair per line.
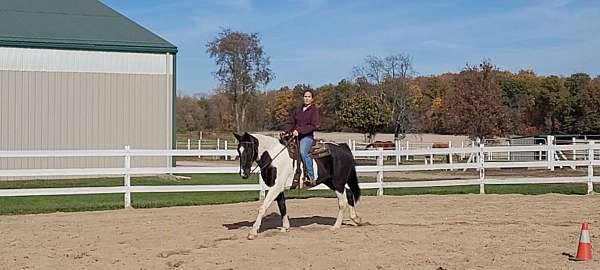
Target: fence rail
x,y
476,161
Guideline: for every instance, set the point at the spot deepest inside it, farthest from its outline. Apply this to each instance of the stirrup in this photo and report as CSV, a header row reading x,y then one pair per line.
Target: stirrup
x,y
295,184
296,181
309,183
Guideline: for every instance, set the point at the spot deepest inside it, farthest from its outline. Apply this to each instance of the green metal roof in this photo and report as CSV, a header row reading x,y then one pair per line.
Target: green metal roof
x,y
74,24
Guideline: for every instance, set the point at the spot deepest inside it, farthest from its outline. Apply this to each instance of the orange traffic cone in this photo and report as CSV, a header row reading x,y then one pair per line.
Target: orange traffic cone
x,y
584,250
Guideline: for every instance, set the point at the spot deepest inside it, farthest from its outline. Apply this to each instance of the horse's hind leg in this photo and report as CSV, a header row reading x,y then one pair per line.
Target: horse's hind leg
x,y
342,203
352,204
283,211
261,211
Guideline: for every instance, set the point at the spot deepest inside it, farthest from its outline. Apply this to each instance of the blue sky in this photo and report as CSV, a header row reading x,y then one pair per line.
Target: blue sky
x,y
319,41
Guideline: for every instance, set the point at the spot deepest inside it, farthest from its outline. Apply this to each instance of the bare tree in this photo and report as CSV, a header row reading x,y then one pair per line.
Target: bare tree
x,y
242,66
390,76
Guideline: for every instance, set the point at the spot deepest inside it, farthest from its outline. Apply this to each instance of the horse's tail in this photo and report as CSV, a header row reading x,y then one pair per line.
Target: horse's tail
x,y
353,184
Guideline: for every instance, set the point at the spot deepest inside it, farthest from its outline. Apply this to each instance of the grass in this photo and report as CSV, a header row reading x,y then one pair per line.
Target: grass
x,y
196,179
70,203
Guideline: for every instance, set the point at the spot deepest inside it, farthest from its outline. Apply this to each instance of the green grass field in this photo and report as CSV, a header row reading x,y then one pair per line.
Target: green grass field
x,y
70,203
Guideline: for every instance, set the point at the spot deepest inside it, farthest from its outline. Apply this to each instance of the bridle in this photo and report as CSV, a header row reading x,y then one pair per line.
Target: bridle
x,y
252,144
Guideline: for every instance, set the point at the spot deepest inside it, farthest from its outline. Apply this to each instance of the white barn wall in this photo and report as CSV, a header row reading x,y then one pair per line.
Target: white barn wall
x,y
58,99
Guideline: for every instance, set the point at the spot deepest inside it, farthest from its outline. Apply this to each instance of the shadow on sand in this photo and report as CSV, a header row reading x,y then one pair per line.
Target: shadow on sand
x,y
273,221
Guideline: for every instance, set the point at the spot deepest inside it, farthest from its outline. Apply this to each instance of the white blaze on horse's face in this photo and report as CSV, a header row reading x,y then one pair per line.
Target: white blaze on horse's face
x,y
246,158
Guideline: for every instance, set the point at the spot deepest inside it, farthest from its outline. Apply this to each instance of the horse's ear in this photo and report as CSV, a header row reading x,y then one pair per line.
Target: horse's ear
x,y
237,136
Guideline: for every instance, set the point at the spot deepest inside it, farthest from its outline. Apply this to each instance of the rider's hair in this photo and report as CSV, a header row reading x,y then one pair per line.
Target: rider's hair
x,y
312,92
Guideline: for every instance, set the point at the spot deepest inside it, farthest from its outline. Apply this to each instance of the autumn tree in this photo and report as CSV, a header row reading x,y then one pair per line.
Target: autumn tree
x,y
280,106
330,99
365,113
518,95
190,114
590,108
220,116
474,104
242,66
549,102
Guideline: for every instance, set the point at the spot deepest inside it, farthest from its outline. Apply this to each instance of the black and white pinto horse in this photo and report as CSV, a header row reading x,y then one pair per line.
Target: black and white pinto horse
x,y
336,171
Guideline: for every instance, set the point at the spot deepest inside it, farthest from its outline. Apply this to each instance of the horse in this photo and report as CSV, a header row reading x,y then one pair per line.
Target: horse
x,y
277,168
381,144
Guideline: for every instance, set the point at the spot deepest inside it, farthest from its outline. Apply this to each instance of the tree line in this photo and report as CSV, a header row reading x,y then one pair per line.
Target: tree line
x,y
384,94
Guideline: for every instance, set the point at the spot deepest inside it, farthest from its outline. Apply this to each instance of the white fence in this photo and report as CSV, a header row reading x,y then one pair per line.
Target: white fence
x,y
478,153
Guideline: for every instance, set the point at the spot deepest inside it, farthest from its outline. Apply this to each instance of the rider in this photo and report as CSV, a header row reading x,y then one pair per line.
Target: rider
x,y
303,122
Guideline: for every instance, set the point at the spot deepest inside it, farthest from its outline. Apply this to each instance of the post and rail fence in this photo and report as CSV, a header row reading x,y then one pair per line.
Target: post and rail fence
x,y
477,161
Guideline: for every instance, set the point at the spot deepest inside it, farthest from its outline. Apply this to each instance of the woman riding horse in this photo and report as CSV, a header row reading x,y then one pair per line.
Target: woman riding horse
x,y
303,122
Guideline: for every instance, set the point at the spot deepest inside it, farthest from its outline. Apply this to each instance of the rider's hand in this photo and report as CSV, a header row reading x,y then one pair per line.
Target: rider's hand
x,y
295,133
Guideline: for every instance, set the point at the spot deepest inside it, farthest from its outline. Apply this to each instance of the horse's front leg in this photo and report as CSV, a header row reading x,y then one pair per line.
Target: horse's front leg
x,y
285,222
273,192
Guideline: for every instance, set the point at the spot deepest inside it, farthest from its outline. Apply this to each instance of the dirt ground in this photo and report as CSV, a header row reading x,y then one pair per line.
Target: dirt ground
x,y
406,232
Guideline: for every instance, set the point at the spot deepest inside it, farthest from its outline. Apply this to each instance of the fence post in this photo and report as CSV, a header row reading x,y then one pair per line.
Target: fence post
x,y
127,179
462,146
508,153
574,151
481,169
189,145
380,173
478,156
353,145
199,148
350,144
450,154
261,183
226,150
540,153
407,149
397,145
550,152
590,167
218,143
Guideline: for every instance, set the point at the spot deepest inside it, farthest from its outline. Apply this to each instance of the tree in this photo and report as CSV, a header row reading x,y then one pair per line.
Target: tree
x,y
391,76
434,90
549,103
330,99
219,112
474,105
256,119
279,108
590,99
573,112
242,66
518,96
190,114
365,113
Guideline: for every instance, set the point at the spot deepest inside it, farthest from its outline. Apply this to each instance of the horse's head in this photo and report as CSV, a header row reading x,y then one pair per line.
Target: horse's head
x,y
248,152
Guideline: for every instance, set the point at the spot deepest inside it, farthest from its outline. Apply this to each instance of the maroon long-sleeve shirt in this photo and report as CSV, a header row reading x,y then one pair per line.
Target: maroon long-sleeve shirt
x,y
305,122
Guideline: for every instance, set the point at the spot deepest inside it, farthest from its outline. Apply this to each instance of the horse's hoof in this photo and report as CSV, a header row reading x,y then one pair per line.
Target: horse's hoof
x,y
252,236
283,229
358,221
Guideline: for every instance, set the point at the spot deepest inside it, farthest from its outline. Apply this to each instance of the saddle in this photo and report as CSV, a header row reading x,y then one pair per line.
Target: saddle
x,y
320,149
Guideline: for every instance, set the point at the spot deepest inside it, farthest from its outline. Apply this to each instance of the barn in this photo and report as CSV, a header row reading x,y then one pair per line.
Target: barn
x,y
76,74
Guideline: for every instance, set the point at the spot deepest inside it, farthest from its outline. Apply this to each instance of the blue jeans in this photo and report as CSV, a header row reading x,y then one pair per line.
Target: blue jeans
x,y
305,144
